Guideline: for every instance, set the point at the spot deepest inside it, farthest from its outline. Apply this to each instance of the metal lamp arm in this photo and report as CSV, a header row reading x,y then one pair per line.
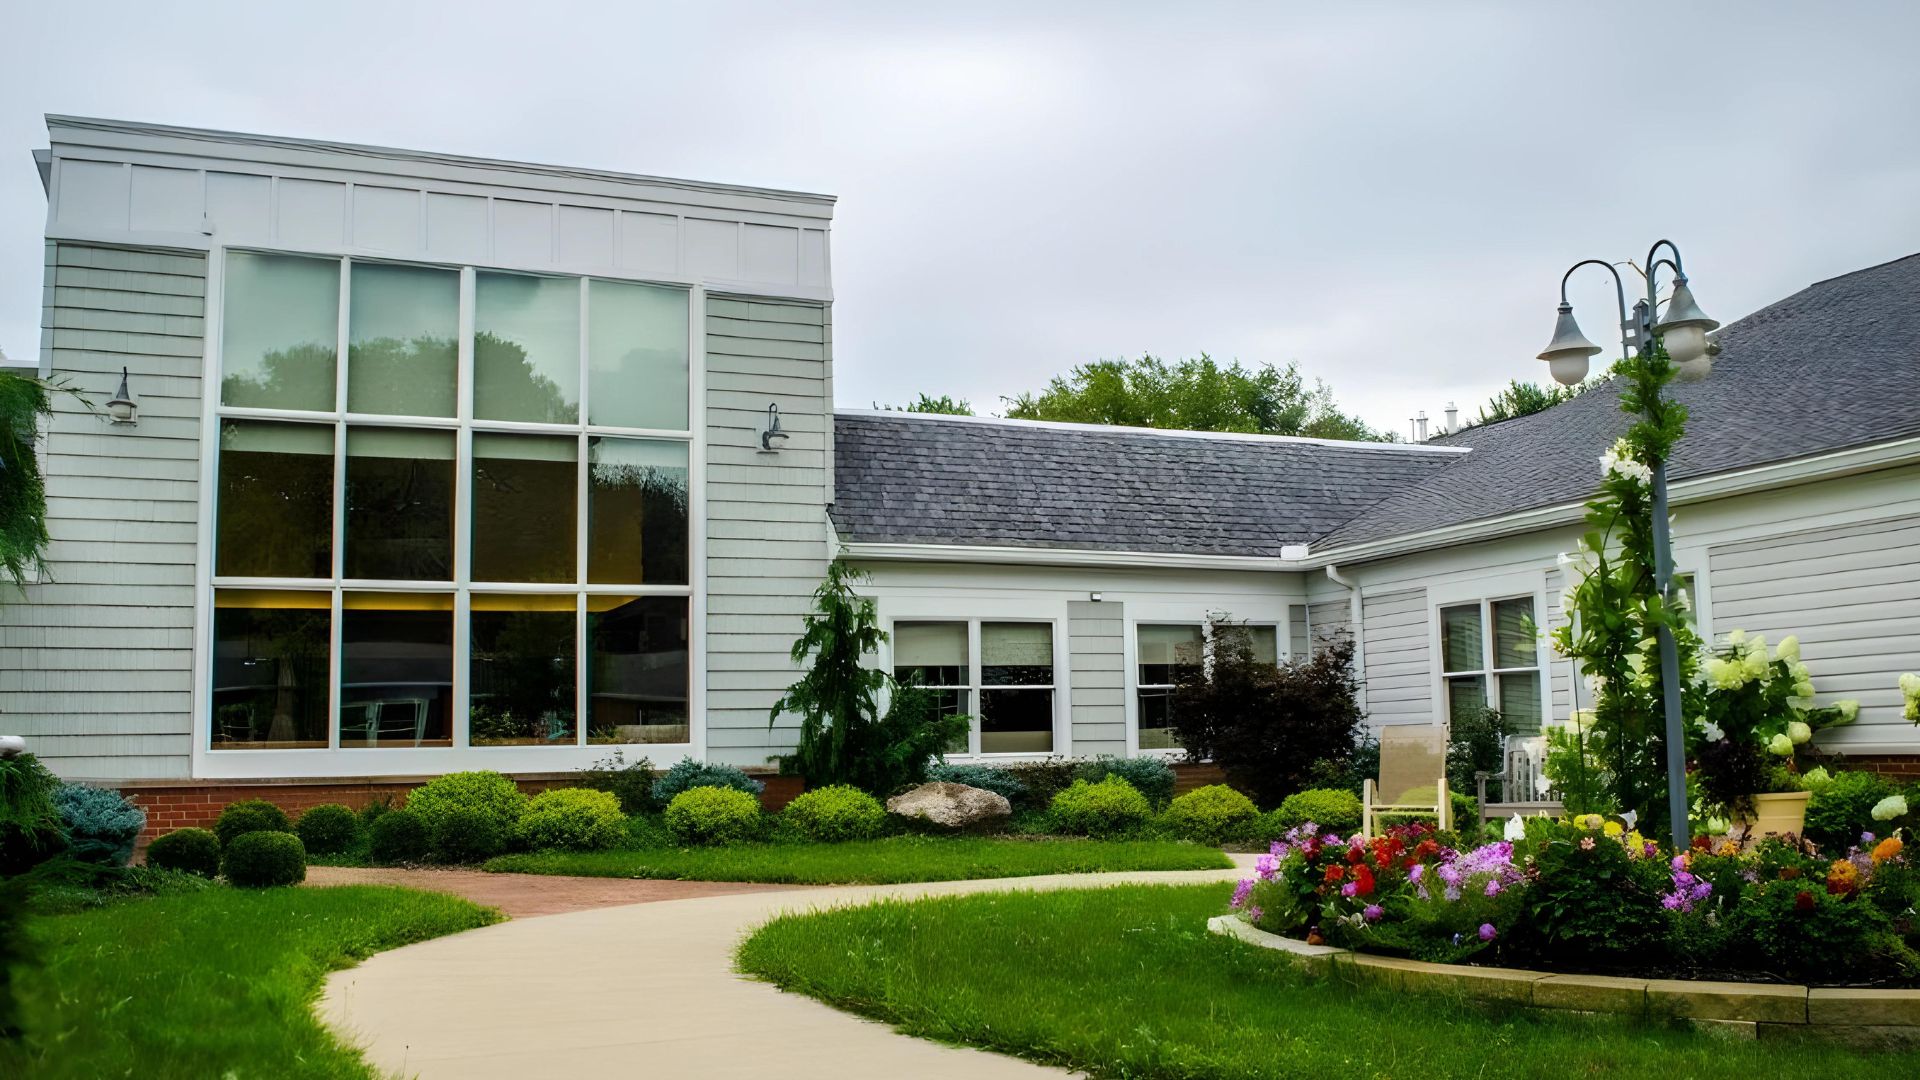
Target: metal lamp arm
x,y
1619,295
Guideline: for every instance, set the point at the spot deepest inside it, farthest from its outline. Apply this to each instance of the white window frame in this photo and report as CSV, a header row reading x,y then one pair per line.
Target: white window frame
x,y
1490,675
1266,611
933,611
402,761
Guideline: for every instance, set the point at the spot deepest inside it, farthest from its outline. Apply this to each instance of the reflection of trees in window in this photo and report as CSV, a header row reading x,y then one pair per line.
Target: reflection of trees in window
x,y
637,532
303,373
403,376
523,677
513,387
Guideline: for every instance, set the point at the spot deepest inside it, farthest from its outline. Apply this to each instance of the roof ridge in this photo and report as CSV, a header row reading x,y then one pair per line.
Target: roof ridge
x,y
1122,429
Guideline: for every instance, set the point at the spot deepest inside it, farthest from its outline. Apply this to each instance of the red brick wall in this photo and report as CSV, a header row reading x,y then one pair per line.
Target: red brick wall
x,y
1904,768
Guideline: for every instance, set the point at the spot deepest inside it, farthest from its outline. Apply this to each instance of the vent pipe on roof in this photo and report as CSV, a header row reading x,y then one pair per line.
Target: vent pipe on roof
x,y
1453,416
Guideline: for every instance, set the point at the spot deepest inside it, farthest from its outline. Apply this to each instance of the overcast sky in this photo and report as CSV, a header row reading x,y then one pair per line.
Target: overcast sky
x,y
1385,193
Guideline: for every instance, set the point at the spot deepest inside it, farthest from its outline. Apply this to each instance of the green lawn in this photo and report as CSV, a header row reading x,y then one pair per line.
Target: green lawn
x,y
216,984
871,862
1126,982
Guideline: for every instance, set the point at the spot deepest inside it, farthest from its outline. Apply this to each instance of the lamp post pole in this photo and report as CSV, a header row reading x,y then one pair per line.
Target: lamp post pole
x,y
1684,331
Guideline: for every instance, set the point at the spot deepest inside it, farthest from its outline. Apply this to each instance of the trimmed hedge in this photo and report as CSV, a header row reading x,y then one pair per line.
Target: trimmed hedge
x,y
480,794
398,836
101,825
328,829
1209,815
712,815
1111,807
835,813
468,834
192,851
1150,776
688,774
247,816
1333,809
265,859
577,819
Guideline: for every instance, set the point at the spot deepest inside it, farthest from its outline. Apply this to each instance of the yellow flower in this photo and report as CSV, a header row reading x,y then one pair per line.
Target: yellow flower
x,y
1613,828
1728,847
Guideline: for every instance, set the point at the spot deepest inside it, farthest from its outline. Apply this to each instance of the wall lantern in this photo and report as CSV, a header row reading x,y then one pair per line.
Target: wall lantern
x,y
772,433
121,408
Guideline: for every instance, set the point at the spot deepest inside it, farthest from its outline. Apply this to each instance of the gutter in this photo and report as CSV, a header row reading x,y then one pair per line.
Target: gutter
x,y
1359,635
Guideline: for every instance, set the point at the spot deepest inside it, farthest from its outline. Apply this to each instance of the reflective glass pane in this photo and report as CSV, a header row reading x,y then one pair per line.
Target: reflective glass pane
x,y
403,330
399,504
1016,654
1513,641
1163,649
1460,637
1156,708
1016,721
637,355
280,332
952,703
396,670
523,507
1466,696
274,514
636,512
526,348
1297,640
1520,699
930,653
522,670
637,673
271,662
1266,643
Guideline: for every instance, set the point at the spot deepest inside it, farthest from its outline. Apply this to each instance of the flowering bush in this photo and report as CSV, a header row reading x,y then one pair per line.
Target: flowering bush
x,y
1753,711
1910,694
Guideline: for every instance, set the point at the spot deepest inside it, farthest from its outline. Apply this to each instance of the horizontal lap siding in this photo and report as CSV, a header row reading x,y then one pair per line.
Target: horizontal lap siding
x,y
766,513
1096,647
1560,671
96,664
1850,593
1399,669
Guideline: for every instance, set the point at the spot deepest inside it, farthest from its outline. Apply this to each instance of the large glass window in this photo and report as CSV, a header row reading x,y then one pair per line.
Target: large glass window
x,y
1016,688
933,655
392,573
1490,659
1161,652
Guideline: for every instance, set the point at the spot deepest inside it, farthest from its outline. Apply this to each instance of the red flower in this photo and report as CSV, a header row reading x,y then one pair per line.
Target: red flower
x,y
1355,855
1702,843
1362,881
1803,901
1336,872
1425,849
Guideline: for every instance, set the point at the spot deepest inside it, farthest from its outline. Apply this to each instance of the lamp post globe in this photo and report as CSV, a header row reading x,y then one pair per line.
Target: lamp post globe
x,y
1566,355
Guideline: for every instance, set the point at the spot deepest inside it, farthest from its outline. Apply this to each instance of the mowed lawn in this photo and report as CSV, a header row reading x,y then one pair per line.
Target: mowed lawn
x,y
872,862
1127,982
217,984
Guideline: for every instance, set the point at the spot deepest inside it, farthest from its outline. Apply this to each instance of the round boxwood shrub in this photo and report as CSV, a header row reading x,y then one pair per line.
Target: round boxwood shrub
x,y
194,851
985,777
328,829
265,859
1111,807
712,815
578,819
467,834
1333,809
398,836
688,774
836,813
1150,776
1209,815
249,815
482,793
101,824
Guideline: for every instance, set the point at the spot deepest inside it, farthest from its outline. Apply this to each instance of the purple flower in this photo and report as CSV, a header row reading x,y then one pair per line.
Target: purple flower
x,y
1487,931
1265,866
1349,889
1241,892
1372,913
1255,913
1672,901
1449,873
1416,872
1493,886
1866,838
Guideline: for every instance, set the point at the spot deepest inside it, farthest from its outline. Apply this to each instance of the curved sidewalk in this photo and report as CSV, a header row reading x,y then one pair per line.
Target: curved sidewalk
x,y
646,990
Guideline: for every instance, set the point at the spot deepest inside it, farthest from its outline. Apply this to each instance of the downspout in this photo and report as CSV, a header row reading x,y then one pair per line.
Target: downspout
x,y
1359,630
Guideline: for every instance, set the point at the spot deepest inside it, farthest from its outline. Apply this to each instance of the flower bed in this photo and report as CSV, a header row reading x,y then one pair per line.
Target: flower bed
x,y
1593,896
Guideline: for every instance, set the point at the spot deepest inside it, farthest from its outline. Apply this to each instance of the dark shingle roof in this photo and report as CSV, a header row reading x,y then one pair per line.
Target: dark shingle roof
x,y
1834,365
910,478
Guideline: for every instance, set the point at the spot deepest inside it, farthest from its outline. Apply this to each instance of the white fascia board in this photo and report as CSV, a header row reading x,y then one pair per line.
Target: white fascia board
x,y
1035,556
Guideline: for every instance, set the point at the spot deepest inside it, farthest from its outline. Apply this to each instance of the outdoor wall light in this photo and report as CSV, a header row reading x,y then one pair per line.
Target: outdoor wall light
x,y
772,433
122,408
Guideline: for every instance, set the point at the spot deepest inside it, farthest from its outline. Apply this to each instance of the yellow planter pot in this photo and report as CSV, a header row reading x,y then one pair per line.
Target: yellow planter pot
x,y
1781,812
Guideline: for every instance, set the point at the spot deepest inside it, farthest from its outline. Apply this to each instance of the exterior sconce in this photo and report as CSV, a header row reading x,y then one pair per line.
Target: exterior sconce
x,y
772,433
121,408
12,746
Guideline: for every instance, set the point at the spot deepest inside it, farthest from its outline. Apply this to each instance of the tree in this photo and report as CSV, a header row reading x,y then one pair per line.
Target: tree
x,y
23,492
1524,399
926,403
1197,394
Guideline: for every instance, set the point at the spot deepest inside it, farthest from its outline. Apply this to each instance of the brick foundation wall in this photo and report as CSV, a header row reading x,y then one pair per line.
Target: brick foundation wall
x,y
1902,768
1190,775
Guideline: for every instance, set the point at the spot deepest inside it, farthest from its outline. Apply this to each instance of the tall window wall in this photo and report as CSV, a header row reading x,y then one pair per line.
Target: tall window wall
x,y
474,531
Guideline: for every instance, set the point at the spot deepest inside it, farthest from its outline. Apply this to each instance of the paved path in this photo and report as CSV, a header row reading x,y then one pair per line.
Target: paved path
x,y
522,896
646,991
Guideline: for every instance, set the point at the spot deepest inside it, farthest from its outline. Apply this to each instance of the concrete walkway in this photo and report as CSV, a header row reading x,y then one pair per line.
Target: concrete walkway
x,y
646,991
523,896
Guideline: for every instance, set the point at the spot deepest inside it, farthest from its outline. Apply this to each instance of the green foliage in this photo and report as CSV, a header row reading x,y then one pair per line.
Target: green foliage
x,y
687,774
985,777
472,795
101,825
1839,810
398,836
844,738
328,829
1194,395
264,859
576,819
23,492
1042,780
191,851
837,813
468,833
1525,399
1272,728
248,816
1333,809
1800,931
1475,743
631,783
30,829
711,815
1589,903
926,403
373,809
1150,776
1111,807
1209,815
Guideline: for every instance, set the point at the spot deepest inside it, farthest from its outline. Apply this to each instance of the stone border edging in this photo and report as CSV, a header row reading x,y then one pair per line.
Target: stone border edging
x,y
1876,1018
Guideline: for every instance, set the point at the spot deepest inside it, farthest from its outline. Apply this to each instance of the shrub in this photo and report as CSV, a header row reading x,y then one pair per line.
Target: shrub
x,y
1590,903
578,819
1111,807
30,831
398,836
265,859
1839,810
328,829
248,816
1258,832
101,825
1475,743
371,812
836,813
985,777
1210,814
192,851
632,783
479,794
1150,776
712,815
468,834
1333,809
1043,780
687,774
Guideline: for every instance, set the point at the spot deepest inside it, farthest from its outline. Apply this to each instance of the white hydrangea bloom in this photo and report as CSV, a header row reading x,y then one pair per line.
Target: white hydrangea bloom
x,y
1893,806
1849,710
1799,732
1788,649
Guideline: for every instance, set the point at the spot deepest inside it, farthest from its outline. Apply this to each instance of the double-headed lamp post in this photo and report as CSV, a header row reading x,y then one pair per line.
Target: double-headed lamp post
x,y
1683,330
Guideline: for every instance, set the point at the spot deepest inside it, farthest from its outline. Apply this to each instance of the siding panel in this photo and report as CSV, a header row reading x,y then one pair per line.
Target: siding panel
x,y
1399,667
1097,699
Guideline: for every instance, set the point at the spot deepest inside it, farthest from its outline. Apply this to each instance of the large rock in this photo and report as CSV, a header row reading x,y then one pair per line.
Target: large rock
x,y
953,806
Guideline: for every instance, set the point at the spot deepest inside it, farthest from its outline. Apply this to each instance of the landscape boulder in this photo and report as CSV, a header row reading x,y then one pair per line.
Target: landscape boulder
x,y
953,806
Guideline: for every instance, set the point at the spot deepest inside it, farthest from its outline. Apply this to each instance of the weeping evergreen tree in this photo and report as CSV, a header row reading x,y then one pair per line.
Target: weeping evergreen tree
x,y
23,494
845,738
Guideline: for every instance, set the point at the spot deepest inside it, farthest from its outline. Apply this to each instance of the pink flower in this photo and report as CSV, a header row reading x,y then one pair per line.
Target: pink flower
x,y
1487,931
1349,889
1241,892
1586,843
1372,913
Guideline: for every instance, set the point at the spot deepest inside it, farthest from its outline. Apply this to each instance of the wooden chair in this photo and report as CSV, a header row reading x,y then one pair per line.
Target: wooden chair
x,y
1413,777
1520,786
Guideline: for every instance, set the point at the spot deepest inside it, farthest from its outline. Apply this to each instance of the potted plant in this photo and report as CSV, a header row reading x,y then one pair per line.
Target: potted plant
x,y
1756,712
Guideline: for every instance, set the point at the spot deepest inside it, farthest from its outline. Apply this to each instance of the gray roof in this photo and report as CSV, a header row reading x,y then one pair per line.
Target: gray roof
x,y
1832,366
911,478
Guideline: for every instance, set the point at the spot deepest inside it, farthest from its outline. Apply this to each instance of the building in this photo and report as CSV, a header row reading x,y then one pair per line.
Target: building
x,y
445,463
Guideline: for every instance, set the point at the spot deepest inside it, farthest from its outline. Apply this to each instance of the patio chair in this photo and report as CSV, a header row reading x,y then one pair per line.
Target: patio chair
x,y
1521,790
1413,777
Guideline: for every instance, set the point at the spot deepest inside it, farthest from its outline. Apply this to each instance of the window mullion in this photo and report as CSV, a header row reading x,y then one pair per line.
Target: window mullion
x,y
979,691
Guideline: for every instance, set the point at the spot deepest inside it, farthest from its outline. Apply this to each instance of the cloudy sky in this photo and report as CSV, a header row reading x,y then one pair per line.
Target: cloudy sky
x,y
1385,193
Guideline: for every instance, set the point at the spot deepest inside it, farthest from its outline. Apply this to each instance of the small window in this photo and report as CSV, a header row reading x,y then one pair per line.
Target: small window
x,y
933,655
403,336
526,348
637,680
1161,653
1016,688
281,332
1490,659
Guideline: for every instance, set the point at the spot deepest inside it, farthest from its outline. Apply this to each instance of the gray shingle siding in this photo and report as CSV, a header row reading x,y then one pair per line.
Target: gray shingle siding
x,y
1096,651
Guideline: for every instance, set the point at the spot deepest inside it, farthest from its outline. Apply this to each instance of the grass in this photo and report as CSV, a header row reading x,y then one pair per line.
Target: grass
x,y
219,983
1126,982
871,862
